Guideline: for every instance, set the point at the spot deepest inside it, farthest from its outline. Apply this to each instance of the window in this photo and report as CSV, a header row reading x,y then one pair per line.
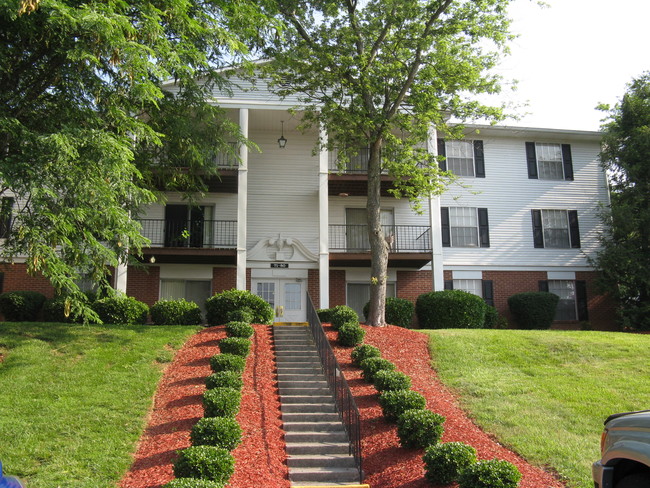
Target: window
x,y
556,229
356,227
547,161
465,227
481,288
191,290
573,298
6,207
463,158
188,226
358,294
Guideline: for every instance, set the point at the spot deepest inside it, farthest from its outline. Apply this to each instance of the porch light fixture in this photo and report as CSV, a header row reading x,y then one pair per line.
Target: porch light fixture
x,y
282,142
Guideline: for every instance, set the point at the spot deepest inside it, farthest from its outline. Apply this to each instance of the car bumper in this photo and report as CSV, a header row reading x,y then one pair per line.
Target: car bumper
x,y
603,475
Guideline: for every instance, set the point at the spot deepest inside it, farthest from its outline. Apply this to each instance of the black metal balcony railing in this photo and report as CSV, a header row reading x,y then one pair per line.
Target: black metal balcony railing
x,y
213,234
227,159
345,404
401,238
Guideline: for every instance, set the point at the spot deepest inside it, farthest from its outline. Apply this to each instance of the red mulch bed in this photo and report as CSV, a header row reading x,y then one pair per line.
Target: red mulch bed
x,y
260,459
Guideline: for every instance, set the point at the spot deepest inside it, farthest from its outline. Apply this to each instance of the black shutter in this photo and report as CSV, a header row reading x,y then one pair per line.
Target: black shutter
x,y
574,230
538,231
581,301
531,159
444,227
483,228
442,151
449,284
568,162
488,292
543,285
479,160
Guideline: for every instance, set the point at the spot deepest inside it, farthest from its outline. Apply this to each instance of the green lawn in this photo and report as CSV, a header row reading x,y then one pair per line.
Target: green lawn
x,y
74,398
546,393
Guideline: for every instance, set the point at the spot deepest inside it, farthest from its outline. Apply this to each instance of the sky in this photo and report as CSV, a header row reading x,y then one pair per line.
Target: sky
x,y
573,55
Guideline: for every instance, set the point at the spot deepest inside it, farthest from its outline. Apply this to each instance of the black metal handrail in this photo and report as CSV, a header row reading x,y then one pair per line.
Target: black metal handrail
x,y
197,233
345,404
400,238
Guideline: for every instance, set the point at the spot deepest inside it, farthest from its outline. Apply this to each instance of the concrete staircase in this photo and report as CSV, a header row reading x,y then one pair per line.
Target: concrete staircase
x,y
317,443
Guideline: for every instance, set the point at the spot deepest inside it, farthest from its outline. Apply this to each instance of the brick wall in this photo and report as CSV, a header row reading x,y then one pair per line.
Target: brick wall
x,y
144,284
337,287
411,284
17,279
313,287
602,308
223,279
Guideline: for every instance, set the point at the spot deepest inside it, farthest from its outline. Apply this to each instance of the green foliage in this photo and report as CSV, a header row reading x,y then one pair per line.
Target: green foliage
x,y
342,314
208,462
443,463
399,311
624,257
192,483
493,473
372,365
239,346
175,312
228,379
351,334
491,318
364,351
21,306
419,428
59,309
220,305
391,380
534,309
227,362
121,310
395,402
216,431
324,315
239,329
244,314
221,402
450,309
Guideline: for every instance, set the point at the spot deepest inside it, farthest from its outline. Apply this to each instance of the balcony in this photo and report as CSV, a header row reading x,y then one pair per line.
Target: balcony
x,y
190,241
409,245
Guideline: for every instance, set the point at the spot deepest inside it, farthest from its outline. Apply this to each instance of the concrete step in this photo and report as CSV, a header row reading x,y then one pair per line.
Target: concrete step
x,y
329,474
306,436
306,399
304,389
314,382
310,417
311,408
321,460
318,448
323,426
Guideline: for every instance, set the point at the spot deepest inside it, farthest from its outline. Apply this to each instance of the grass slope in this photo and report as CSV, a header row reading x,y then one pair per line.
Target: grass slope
x,y
545,393
74,398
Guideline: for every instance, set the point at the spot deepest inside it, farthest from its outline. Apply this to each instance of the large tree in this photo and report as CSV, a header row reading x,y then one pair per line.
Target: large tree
x,y
379,74
83,116
624,261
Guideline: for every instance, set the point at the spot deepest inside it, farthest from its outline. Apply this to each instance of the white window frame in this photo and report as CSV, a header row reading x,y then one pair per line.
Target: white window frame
x,y
546,228
460,153
566,290
546,161
473,286
452,221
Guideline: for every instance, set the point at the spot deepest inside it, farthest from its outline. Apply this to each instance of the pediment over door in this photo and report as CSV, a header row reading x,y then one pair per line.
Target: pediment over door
x,y
281,249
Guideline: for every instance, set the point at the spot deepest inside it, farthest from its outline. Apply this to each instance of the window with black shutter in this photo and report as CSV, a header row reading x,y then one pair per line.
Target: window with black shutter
x,y
549,161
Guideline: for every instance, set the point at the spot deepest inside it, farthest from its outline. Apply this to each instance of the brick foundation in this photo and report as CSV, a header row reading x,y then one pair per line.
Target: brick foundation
x,y
17,279
313,287
144,284
337,288
223,279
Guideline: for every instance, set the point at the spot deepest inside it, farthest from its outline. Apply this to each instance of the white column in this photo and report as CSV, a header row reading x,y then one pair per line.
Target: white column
x,y
435,224
242,202
121,277
323,219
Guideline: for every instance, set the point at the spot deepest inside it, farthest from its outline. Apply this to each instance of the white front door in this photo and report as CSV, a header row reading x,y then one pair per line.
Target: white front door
x,y
286,296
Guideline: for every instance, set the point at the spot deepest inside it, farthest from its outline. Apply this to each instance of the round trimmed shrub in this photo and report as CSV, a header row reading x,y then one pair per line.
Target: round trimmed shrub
x,y
385,380
239,346
216,431
207,462
175,312
239,329
399,311
492,473
220,305
342,314
395,402
419,428
224,379
121,310
450,309
54,309
241,315
491,317
192,483
227,362
351,334
221,402
21,306
443,463
324,315
370,366
533,309
364,351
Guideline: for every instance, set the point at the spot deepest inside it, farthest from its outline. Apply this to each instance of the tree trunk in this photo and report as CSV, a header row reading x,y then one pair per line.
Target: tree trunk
x,y
378,245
